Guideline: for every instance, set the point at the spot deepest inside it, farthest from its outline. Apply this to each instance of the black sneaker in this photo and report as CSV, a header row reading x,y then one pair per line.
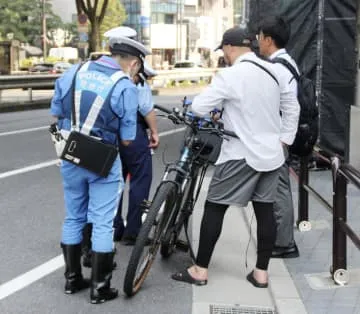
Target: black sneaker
x,y
285,252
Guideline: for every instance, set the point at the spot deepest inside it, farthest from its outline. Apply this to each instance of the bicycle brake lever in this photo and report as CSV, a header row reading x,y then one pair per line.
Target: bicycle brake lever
x,y
173,119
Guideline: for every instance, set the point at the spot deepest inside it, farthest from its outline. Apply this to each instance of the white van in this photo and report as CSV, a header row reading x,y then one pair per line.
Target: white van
x,y
64,53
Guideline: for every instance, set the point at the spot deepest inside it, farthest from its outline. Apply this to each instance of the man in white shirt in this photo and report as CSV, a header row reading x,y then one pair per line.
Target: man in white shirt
x,y
274,34
252,95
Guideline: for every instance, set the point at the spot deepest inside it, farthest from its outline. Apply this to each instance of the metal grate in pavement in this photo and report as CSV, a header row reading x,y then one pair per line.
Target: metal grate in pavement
x,y
237,309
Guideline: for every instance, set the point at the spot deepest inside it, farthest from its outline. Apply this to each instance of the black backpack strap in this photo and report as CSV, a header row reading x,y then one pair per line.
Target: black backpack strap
x,y
289,66
263,68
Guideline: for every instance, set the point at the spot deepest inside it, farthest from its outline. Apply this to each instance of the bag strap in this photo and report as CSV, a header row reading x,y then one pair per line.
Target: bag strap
x,y
95,107
99,102
73,111
289,66
263,68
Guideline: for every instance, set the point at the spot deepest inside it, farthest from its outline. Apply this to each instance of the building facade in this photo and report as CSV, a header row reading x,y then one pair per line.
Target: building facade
x,y
183,29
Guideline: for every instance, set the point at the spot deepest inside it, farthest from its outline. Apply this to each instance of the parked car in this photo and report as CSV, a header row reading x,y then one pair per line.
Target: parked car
x,y
188,72
61,67
186,65
51,68
42,68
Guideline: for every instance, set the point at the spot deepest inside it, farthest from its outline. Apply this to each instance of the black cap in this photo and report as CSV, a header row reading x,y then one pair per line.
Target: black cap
x,y
236,36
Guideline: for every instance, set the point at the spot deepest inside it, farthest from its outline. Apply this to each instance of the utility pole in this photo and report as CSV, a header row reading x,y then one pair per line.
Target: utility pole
x,y
44,29
181,23
177,32
145,21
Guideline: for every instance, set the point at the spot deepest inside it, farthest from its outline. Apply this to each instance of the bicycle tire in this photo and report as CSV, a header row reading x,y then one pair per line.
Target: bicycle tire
x,y
168,244
132,283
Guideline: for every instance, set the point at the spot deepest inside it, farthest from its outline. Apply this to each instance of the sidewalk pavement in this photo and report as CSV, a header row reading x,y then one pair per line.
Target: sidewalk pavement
x,y
293,283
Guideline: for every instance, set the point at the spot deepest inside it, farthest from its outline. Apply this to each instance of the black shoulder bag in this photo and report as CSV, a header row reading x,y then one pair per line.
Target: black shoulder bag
x,y
87,152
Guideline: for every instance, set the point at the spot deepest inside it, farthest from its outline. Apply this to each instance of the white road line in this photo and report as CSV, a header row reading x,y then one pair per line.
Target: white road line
x,y
28,169
165,133
52,265
24,131
31,276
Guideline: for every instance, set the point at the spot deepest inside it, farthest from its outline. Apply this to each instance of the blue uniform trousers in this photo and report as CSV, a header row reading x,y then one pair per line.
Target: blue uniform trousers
x,y
93,199
136,161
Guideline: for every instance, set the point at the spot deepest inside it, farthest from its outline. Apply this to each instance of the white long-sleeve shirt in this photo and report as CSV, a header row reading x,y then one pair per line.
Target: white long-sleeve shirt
x,y
288,119
251,101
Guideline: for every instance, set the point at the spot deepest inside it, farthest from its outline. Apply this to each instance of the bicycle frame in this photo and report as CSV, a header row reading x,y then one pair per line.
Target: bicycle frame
x,y
186,170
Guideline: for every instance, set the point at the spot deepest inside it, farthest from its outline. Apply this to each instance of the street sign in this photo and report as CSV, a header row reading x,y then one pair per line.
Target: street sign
x,y
82,19
144,21
83,37
83,28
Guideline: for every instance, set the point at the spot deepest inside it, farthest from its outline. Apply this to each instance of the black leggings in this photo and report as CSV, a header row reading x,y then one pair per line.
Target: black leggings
x,y
211,226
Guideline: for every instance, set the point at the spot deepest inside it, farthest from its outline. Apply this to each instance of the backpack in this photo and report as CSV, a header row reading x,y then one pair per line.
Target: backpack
x,y
308,127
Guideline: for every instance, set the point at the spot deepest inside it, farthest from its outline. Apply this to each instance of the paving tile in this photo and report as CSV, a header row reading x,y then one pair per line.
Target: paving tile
x,y
316,247
341,310
288,305
316,309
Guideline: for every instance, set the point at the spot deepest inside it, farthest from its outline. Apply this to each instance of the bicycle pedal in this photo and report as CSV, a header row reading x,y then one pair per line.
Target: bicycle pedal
x,y
145,206
182,245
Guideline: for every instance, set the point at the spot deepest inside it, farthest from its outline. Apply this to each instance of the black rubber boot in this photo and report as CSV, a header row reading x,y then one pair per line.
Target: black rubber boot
x,y
74,279
102,265
86,245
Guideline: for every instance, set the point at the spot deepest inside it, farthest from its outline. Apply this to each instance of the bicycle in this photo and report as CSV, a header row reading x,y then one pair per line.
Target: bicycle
x,y
176,195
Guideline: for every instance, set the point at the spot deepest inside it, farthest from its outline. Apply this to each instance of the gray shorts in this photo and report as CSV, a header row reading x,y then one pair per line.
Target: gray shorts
x,y
236,183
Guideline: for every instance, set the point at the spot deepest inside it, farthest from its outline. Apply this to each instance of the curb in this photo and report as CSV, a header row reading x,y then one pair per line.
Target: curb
x,y
23,106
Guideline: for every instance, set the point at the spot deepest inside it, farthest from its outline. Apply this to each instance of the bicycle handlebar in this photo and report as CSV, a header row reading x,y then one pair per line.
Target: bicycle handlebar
x,y
175,116
166,110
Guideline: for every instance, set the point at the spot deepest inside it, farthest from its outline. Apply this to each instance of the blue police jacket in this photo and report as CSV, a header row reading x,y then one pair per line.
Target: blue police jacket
x,y
145,99
118,116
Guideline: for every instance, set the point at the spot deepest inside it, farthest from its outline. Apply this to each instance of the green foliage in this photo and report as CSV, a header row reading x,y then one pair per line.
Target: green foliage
x,y
115,15
52,59
108,14
27,63
23,19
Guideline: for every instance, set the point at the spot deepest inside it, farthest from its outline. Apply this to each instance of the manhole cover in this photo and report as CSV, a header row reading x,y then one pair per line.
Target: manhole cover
x,y
237,309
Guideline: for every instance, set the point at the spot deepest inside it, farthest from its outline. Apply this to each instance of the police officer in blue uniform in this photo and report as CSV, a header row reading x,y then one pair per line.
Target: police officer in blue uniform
x,y
137,162
107,102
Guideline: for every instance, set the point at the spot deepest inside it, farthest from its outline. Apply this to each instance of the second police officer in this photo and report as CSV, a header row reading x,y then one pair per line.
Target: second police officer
x,y
137,162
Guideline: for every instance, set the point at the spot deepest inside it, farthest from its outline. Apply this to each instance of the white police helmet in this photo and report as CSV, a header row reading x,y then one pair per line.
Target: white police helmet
x,y
121,31
148,70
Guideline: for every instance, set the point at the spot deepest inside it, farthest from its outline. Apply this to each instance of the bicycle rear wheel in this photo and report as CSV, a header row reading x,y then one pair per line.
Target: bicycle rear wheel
x,y
142,256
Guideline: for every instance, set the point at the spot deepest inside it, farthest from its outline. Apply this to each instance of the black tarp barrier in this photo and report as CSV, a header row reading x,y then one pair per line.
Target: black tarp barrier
x,y
323,44
338,74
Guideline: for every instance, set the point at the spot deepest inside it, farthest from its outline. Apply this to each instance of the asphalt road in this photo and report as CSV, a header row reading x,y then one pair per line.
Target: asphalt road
x,y
31,204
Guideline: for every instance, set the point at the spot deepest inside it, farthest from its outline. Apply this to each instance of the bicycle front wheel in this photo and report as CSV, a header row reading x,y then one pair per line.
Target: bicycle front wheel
x,y
143,256
169,241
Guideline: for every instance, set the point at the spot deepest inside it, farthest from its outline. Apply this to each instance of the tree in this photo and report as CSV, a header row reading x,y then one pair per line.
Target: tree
x,y
102,15
95,11
115,15
23,19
